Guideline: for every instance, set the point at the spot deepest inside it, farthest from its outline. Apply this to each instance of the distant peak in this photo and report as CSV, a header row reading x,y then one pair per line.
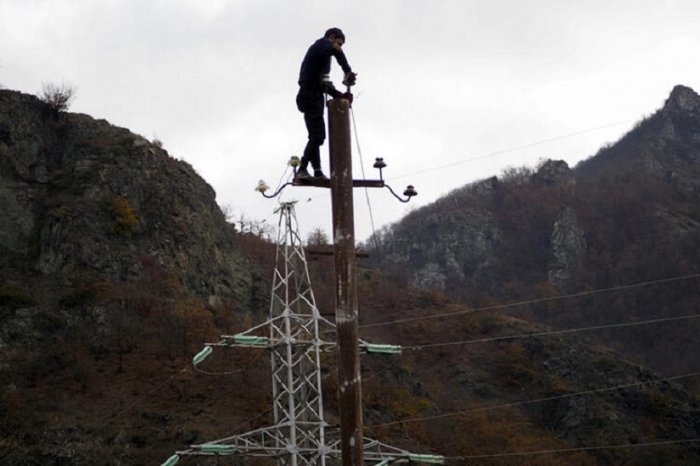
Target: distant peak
x,y
683,98
554,173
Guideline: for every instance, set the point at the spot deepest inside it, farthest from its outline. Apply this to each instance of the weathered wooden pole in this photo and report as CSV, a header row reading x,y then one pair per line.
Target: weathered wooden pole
x,y
346,308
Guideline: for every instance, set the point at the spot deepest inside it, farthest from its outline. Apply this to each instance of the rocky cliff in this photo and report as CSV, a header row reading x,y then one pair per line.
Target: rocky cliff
x,y
460,239
80,196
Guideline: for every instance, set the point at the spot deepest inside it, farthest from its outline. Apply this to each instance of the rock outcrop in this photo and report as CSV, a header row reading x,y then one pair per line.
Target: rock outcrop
x,y
447,246
81,196
568,248
555,173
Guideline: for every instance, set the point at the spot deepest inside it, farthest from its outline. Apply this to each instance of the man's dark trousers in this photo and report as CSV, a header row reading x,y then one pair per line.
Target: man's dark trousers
x,y
311,102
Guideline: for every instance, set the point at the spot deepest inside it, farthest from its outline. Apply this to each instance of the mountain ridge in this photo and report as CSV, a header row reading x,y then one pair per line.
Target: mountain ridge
x,y
627,215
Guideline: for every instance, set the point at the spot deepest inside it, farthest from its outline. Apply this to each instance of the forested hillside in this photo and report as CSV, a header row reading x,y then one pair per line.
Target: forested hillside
x,y
615,240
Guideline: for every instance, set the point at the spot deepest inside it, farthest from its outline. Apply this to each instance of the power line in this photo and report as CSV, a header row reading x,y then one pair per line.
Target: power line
x,y
570,450
553,332
158,387
235,371
362,166
505,151
140,399
533,301
538,400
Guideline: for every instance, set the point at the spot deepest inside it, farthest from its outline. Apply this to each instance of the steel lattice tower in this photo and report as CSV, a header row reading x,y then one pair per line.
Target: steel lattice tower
x,y
300,435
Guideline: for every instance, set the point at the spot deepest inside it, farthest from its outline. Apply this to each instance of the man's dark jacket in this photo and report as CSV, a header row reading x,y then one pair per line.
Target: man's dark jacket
x,y
317,63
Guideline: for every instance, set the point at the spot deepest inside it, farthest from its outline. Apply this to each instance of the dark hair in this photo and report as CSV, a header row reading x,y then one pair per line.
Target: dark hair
x,y
335,31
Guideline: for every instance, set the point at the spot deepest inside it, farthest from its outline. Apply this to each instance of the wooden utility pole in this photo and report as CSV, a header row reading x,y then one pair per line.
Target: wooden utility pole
x,y
346,310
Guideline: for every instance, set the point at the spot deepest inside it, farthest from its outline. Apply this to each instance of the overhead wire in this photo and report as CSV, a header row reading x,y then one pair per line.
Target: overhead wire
x,y
245,423
504,151
374,236
553,332
139,400
574,449
286,169
533,401
158,387
547,333
282,178
236,371
512,149
531,301
364,177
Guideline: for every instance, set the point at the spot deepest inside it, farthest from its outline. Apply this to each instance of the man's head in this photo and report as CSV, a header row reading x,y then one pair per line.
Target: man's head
x,y
335,35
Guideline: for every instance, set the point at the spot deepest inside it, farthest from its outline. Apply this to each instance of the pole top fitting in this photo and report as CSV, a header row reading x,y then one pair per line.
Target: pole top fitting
x,y
379,163
410,191
262,187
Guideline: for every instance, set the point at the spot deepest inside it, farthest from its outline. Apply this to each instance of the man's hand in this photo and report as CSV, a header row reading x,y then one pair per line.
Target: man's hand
x,y
346,96
350,79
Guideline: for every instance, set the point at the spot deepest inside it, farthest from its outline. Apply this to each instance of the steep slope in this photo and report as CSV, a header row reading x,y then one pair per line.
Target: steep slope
x,y
475,383
628,216
116,264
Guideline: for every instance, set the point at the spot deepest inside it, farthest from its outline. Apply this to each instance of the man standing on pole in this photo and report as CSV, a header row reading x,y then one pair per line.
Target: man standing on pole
x,y
313,84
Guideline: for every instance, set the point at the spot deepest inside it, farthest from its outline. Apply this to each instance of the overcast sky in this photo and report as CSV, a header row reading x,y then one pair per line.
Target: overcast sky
x,y
448,91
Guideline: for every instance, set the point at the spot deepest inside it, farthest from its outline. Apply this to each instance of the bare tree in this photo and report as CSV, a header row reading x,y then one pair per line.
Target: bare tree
x,y
317,237
58,96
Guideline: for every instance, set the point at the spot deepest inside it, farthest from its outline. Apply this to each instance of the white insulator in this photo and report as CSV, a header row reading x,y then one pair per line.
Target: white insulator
x,y
262,186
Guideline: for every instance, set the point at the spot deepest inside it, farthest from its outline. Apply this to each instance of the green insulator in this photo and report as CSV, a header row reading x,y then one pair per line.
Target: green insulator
x,y
252,340
202,355
171,461
432,459
218,449
388,349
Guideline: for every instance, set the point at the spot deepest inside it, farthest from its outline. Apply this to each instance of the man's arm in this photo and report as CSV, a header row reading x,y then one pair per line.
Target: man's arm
x,y
339,55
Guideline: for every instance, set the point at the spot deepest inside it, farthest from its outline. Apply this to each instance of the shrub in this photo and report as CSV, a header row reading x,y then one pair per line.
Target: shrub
x,y
58,97
124,217
78,297
58,179
14,297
